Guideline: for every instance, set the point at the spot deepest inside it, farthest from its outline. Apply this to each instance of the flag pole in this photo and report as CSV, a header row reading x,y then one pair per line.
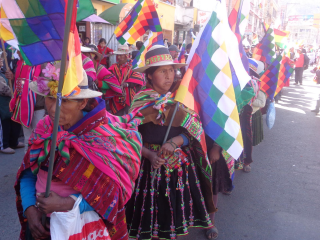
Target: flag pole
x,y
166,137
58,102
7,65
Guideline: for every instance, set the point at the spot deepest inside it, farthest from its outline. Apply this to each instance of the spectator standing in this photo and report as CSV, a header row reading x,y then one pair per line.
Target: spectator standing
x,y
10,131
299,63
103,49
139,45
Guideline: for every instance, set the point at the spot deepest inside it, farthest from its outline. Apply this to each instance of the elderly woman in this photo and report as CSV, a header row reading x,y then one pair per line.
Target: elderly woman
x,y
181,195
97,156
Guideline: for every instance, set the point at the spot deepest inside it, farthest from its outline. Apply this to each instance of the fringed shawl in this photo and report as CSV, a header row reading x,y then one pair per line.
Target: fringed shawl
x,y
108,83
88,66
124,74
99,157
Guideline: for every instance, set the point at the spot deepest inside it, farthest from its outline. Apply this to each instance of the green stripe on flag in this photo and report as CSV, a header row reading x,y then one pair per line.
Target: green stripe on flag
x,y
24,33
31,8
85,9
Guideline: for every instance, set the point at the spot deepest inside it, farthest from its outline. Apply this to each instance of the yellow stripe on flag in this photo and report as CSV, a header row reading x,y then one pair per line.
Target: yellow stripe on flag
x,y
183,95
75,70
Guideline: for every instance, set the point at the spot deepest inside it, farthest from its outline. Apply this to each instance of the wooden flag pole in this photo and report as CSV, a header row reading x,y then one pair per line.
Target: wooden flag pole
x,y
58,103
166,137
7,66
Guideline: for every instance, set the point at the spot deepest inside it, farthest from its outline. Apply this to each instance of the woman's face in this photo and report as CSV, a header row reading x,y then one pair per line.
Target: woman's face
x,y
90,55
162,79
102,44
87,41
122,59
70,112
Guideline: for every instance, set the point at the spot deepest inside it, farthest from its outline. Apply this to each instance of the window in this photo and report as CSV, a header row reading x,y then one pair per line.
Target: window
x,y
302,30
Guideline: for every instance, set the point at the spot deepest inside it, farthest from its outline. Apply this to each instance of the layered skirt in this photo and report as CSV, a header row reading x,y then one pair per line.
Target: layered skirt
x,y
170,206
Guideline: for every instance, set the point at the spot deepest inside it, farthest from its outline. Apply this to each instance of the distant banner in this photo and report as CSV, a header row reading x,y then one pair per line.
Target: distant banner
x,y
301,19
316,20
294,18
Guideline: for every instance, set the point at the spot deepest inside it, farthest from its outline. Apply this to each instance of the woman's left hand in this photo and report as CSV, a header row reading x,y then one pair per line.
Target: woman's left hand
x,y
54,203
167,149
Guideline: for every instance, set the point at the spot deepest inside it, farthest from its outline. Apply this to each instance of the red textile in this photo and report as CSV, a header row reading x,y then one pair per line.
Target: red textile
x,y
300,61
24,100
101,50
125,74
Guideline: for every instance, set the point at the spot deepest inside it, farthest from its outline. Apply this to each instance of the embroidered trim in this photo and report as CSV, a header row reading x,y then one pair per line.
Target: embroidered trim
x,y
158,58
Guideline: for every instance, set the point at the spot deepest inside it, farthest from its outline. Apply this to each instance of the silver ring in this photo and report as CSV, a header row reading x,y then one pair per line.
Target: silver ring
x,y
37,204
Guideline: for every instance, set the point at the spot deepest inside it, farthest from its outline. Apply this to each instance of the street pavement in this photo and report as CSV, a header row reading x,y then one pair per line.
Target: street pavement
x,y
278,200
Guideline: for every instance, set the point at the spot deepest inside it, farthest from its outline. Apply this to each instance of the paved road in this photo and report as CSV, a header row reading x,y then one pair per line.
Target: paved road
x,y
278,200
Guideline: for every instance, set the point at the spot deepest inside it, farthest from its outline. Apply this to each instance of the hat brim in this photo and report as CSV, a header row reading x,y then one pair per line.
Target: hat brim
x,y
159,64
99,55
84,93
121,53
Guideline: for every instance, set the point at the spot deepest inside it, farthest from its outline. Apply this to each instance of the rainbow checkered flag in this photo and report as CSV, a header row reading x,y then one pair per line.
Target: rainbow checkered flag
x,y
239,16
265,51
269,79
285,71
142,18
207,87
38,28
182,58
153,39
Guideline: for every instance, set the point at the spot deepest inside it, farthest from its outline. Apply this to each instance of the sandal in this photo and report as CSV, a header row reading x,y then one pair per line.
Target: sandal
x,y
247,168
212,230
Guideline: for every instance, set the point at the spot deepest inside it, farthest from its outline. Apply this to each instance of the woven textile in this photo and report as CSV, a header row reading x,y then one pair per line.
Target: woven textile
x,y
154,38
265,51
88,66
38,27
24,100
143,17
99,157
207,86
269,79
108,83
133,78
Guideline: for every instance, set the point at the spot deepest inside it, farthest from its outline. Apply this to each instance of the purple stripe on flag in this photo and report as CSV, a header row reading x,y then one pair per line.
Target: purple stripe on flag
x,y
55,48
37,53
53,6
43,27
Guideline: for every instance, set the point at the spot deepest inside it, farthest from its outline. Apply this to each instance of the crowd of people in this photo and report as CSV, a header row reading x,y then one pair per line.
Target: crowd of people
x,y
111,148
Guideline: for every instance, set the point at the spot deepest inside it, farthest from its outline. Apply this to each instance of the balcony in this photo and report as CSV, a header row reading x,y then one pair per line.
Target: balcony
x,y
184,16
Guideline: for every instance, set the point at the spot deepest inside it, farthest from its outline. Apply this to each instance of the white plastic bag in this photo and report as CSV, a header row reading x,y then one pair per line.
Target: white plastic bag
x,y
75,226
271,115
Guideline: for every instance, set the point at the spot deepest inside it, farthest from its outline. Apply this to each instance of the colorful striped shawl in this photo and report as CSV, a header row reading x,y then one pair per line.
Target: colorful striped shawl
x,y
88,66
24,100
145,101
118,103
112,145
108,83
